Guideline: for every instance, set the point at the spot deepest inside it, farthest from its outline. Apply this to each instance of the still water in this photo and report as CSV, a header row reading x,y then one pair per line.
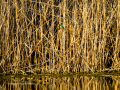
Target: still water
x,y
60,83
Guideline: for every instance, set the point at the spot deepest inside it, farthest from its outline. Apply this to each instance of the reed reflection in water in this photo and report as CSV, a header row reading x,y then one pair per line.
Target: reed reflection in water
x,y
61,83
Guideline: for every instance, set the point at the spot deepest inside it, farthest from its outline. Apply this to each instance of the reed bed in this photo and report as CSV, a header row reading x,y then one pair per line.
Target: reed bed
x,y
31,40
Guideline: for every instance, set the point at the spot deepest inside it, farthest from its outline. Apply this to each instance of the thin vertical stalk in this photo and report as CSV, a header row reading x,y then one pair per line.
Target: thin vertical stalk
x,y
53,33
64,59
104,5
84,29
67,38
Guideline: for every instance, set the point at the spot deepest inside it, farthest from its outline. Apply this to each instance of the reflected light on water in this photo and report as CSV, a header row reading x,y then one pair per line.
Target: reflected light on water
x,y
60,83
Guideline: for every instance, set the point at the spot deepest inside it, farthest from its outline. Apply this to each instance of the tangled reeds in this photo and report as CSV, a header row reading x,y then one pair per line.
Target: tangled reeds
x,y
31,39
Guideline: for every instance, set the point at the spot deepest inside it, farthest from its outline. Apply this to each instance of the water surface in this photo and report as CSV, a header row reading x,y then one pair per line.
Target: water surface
x,y
74,82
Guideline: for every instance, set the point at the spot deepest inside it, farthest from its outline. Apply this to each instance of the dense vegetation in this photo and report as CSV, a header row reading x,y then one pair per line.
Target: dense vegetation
x,y
31,40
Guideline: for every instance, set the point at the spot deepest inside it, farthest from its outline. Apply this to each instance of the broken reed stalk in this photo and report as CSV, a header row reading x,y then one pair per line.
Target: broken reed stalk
x,y
31,39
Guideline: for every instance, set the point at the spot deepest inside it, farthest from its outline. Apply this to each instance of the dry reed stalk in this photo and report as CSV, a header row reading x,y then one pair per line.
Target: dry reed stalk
x,y
85,31
118,32
63,34
104,32
52,31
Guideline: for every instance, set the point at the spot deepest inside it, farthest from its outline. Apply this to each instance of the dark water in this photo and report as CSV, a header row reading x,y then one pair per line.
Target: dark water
x,y
60,83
